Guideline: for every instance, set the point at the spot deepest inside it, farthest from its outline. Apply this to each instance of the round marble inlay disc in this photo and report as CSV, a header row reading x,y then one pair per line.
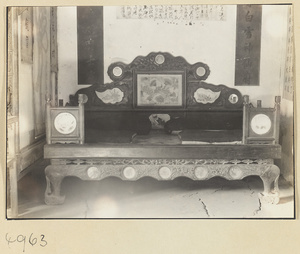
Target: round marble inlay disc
x,y
201,172
233,98
159,59
93,172
65,123
165,172
235,172
129,172
261,124
200,71
117,71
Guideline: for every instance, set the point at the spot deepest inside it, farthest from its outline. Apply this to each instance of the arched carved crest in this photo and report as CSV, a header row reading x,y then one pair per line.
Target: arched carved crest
x,y
162,76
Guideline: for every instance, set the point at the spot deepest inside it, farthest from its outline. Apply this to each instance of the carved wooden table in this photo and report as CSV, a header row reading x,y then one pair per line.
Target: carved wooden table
x,y
162,162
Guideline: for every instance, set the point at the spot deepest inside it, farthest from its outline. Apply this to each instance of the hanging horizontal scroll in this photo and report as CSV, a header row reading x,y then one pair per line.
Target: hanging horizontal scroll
x,y
248,44
171,13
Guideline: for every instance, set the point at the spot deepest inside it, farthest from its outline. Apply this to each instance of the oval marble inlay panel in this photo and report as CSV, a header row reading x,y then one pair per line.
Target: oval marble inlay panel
x,y
205,96
111,96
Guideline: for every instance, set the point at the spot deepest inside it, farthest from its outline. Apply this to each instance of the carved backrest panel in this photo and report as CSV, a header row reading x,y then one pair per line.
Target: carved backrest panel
x,y
160,91
159,82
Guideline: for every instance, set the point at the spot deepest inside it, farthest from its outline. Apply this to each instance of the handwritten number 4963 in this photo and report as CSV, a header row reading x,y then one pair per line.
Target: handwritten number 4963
x,y
23,239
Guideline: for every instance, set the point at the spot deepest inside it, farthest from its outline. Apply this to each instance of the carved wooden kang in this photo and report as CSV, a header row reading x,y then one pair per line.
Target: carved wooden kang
x,y
197,105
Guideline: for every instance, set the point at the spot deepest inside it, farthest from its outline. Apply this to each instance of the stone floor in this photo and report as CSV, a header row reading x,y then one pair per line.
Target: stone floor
x,y
149,198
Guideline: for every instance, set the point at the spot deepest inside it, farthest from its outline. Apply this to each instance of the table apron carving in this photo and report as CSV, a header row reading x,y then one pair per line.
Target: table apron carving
x,y
161,169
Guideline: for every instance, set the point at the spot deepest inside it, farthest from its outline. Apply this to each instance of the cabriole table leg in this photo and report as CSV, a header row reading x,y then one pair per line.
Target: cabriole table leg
x,y
270,178
53,179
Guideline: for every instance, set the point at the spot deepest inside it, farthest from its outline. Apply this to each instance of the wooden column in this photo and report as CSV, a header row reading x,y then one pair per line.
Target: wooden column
x,y
13,142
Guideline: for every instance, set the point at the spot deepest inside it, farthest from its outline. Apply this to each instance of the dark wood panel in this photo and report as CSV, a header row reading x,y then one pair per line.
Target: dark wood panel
x,y
188,120
214,120
90,44
248,44
163,151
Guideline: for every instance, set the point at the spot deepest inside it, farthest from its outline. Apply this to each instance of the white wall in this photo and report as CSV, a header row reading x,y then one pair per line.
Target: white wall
x,y
273,50
211,42
26,116
67,52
